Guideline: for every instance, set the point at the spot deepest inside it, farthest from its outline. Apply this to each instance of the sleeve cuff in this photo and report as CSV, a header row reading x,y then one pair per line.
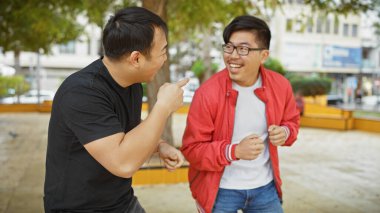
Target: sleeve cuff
x,y
287,132
230,152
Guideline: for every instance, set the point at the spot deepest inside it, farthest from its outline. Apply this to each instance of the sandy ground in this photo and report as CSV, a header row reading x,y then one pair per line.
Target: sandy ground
x,y
324,171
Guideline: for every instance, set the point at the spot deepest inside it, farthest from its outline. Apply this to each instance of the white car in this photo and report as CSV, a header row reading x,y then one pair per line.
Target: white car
x,y
30,97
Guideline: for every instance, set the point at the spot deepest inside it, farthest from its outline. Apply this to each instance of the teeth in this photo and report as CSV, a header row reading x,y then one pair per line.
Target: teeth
x,y
235,65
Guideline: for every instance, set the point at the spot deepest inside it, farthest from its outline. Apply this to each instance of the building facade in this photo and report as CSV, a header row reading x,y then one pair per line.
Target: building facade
x,y
310,44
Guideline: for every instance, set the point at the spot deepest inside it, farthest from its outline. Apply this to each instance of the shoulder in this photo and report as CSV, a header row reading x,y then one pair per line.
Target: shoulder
x,y
216,83
78,90
275,79
272,75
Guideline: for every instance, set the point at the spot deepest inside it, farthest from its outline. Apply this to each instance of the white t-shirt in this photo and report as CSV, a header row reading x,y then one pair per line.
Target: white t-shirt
x,y
249,119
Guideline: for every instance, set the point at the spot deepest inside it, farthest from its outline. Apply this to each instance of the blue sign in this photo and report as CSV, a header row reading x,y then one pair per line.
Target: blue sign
x,y
341,57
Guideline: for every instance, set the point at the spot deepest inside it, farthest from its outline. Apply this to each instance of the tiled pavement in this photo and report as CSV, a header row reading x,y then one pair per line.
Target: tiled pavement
x,y
325,171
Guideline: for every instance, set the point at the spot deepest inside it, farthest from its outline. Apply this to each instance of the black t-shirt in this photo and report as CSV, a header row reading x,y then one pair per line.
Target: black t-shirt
x,y
89,105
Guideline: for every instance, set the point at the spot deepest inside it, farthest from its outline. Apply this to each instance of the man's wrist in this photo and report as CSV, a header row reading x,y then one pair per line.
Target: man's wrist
x,y
162,108
287,132
159,144
230,152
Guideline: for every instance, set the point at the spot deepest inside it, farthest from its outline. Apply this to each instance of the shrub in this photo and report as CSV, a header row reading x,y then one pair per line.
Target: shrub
x,y
13,85
311,86
275,65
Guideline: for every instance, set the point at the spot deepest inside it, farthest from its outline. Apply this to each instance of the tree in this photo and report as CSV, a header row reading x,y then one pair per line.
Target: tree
x,y
159,7
33,25
13,85
199,70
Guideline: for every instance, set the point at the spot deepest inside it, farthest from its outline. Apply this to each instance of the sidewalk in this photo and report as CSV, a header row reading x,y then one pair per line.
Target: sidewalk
x,y
325,171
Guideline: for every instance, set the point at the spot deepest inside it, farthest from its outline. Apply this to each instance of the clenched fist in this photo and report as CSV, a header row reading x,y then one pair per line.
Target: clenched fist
x,y
277,135
249,148
171,156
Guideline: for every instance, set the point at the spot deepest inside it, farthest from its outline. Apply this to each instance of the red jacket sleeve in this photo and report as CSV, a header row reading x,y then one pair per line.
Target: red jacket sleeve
x,y
291,117
198,145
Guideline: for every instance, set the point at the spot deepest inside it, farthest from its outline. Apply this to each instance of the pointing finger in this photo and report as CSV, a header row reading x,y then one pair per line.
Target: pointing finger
x,y
182,82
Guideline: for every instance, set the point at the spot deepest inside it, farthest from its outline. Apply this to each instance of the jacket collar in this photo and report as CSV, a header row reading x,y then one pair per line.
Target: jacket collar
x,y
262,73
259,92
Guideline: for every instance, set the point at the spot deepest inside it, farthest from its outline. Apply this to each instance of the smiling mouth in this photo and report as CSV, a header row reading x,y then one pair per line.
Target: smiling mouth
x,y
234,68
235,65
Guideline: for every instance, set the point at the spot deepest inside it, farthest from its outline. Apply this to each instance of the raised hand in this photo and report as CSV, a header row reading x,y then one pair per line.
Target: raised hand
x,y
170,95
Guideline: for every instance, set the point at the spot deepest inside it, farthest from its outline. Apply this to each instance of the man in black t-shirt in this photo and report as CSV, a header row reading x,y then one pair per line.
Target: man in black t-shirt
x,y
96,138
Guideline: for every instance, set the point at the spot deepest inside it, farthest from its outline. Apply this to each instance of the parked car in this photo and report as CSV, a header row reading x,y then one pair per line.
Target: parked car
x,y
334,100
30,97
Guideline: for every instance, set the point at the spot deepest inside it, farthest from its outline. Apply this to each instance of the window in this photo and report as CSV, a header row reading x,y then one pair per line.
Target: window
x,y
289,25
354,30
68,48
345,29
327,27
319,25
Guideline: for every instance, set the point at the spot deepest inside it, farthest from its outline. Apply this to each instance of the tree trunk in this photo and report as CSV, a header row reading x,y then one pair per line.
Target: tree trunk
x,y
208,72
159,7
101,49
17,64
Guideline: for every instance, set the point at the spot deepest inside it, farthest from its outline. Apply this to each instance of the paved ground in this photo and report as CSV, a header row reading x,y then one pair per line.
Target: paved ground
x,y
325,171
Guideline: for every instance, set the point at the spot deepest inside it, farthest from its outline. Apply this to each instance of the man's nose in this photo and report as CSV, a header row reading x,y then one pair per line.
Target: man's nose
x,y
235,54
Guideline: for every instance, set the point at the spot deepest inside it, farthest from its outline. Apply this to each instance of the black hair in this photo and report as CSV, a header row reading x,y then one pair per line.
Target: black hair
x,y
131,29
252,24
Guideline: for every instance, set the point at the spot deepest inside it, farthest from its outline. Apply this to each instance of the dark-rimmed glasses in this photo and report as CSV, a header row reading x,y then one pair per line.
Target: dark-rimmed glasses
x,y
241,50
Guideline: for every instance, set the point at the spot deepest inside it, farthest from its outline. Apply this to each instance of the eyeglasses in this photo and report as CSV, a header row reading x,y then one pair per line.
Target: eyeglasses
x,y
241,50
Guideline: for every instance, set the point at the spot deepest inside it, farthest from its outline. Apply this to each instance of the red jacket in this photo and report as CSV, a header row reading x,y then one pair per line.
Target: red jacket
x,y
210,125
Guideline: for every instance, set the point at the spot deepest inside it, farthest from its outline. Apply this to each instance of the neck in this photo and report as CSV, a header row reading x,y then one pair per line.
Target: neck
x,y
118,71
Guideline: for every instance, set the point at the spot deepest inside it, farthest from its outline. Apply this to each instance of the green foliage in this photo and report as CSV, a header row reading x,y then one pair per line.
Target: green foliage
x,y
188,18
275,65
13,85
343,7
310,86
144,89
199,68
96,10
33,24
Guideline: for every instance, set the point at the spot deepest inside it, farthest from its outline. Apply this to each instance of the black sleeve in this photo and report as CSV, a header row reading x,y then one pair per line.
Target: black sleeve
x,y
89,114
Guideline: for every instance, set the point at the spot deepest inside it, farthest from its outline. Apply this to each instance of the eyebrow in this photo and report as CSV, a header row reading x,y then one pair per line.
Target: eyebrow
x,y
242,43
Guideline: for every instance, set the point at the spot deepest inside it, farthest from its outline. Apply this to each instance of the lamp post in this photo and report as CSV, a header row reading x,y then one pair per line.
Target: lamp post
x,y
38,73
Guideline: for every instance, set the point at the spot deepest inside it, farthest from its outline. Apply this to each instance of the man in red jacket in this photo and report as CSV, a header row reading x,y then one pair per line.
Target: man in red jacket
x,y
236,121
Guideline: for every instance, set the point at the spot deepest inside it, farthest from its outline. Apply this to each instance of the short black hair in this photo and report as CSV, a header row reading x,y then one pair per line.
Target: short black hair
x,y
131,29
252,24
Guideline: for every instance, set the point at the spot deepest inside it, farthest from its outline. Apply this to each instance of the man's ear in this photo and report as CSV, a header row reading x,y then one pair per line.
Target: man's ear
x,y
264,55
134,58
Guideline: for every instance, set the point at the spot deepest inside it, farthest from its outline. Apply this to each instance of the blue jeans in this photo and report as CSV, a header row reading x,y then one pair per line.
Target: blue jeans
x,y
260,200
